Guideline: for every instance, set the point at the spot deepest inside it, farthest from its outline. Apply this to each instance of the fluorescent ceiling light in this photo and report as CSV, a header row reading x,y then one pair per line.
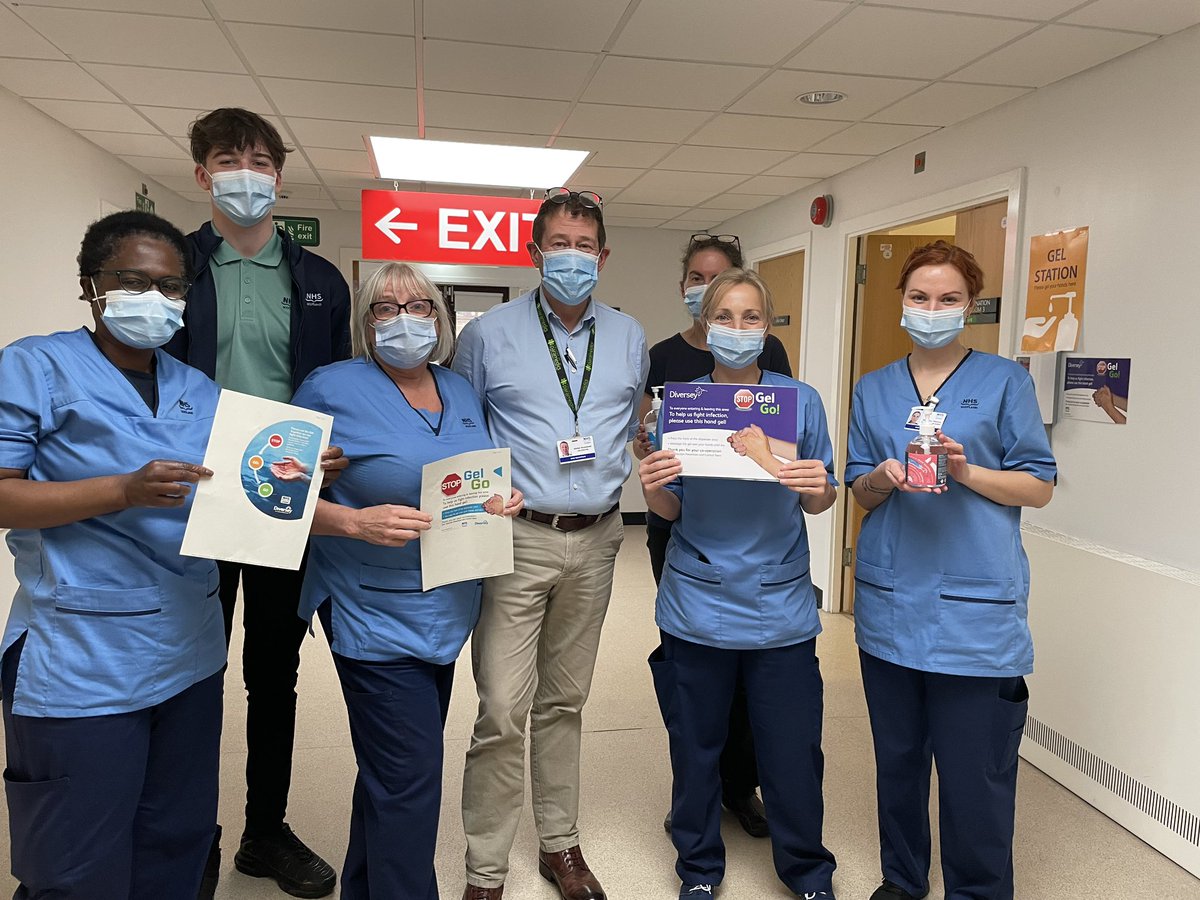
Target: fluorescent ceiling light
x,y
451,162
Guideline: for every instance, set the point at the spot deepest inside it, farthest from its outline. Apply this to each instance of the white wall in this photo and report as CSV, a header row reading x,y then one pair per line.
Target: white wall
x,y
1113,148
52,182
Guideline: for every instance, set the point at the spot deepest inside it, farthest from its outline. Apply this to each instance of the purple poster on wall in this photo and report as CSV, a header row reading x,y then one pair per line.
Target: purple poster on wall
x,y
1096,389
720,430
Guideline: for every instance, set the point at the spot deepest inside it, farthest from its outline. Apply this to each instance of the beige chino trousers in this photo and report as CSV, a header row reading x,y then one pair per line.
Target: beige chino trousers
x,y
533,654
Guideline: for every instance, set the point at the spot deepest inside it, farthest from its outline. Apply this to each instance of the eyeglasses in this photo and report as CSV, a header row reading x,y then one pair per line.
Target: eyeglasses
x,y
587,199
706,238
383,310
138,282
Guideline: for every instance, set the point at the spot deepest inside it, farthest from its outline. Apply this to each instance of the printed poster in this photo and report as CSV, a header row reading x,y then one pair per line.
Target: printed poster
x,y
258,506
1054,295
698,421
470,536
1096,389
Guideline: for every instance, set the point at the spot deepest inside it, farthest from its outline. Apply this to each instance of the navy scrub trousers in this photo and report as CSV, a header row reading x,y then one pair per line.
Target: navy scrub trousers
x,y
113,807
972,726
784,693
397,711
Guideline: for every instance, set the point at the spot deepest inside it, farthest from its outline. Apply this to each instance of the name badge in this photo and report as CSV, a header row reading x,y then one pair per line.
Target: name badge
x,y
576,449
919,414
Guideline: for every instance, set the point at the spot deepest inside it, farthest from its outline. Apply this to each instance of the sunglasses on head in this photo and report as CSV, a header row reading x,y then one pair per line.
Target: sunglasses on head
x,y
706,238
588,199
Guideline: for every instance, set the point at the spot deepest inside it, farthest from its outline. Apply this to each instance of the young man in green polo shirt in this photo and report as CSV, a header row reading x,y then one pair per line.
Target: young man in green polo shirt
x,y
262,314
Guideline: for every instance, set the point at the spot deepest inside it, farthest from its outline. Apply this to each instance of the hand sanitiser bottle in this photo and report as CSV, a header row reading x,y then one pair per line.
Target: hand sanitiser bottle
x,y
925,459
651,419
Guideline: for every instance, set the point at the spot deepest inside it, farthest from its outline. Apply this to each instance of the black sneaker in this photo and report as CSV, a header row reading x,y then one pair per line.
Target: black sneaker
x,y
890,891
283,856
696,891
212,869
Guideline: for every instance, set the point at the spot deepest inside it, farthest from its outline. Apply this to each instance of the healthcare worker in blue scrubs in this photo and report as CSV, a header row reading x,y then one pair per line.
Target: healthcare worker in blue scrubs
x,y
394,410
736,598
114,650
942,584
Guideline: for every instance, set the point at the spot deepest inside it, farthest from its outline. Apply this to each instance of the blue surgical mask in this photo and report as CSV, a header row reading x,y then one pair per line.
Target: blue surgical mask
x,y
570,275
735,348
143,321
693,298
246,197
405,342
932,328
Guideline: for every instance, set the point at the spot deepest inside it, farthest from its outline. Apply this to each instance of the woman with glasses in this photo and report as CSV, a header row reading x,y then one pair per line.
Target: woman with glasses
x,y
114,650
394,410
736,602
685,357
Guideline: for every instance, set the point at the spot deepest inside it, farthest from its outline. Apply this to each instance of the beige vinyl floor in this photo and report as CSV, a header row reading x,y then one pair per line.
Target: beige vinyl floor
x,y
1064,848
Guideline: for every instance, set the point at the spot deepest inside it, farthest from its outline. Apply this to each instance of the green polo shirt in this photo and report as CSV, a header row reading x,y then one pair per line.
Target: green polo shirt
x,y
254,320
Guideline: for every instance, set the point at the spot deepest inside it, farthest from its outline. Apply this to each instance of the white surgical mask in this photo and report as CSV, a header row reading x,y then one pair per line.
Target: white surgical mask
x,y
693,298
735,348
405,342
245,196
570,275
144,321
932,328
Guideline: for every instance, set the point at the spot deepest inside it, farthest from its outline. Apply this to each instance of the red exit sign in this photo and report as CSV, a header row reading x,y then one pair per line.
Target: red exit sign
x,y
447,228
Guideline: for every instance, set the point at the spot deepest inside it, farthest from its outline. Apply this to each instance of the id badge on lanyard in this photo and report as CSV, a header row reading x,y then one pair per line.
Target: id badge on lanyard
x,y
577,447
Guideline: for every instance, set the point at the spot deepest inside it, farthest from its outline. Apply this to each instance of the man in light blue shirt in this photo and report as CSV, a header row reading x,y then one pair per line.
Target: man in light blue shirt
x,y
560,377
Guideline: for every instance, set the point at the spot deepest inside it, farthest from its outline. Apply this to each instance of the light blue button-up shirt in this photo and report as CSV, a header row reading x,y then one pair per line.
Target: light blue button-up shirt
x,y
504,355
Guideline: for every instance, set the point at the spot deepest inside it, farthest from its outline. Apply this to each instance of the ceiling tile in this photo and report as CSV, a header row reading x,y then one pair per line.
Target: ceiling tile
x,y
871,138
178,183
773,185
768,132
627,154
1051,54
487,191
555,26
340,160
297,171
171,43
326,55
303,192
346,194
602,177
696,222
124,144
444,109
355,181
643,210
1159,17
177,122
674,85
343,135
511,71
468,136
82,115
189,8
723,159
755,33
305,204
707,182
777,95
902,42
373,16
663,196
1039,10
51,79
153,165
18,39
733,203
634,122
167,87
358,103
817,165
945,103
623,222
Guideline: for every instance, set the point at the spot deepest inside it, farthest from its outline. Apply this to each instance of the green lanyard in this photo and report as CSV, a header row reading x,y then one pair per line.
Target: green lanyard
x,y
560,370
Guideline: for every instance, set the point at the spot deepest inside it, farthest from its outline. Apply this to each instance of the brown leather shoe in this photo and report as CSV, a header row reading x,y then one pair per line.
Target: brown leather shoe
x,y
471,892
567,870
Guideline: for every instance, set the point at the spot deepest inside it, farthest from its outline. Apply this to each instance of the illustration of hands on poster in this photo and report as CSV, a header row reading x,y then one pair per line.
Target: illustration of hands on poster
x,y
728,430
470,537
1054,294
258,506
1096,389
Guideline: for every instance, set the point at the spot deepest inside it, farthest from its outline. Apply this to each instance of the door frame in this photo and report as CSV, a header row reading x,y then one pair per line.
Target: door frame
x,y
784,247
1010,185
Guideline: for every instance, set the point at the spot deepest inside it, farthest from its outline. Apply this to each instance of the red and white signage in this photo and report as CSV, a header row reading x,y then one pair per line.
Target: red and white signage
x,y
447,228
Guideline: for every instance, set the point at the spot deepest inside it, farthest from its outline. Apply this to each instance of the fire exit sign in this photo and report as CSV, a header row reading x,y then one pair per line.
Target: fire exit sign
x,y
303,230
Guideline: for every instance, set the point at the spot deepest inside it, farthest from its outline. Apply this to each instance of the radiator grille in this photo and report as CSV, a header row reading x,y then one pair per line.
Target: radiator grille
x,y
1166,812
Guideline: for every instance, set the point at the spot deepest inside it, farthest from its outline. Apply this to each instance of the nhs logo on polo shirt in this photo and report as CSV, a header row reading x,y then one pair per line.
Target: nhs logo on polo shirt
x,y
313,298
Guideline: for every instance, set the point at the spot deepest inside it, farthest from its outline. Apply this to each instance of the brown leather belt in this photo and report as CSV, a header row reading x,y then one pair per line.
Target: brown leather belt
x,y
564,522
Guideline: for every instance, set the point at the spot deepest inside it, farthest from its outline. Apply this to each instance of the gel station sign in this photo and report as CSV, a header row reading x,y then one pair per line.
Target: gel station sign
x,y
447,228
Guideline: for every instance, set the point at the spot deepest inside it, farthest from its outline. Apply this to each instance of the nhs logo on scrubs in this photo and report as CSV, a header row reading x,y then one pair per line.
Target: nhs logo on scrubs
x,y
186,408
969,403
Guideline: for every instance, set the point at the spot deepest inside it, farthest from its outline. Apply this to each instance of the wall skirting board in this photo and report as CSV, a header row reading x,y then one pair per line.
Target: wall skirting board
x,y
1114,714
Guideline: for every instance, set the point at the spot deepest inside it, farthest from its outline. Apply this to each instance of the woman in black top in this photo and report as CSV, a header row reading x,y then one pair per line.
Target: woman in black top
x,y
685,357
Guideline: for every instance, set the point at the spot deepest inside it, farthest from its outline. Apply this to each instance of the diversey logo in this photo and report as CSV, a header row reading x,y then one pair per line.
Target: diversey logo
x,y
694,394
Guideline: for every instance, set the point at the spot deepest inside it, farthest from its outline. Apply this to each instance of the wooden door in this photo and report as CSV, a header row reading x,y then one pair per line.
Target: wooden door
x,y
981,231
878,340
784,275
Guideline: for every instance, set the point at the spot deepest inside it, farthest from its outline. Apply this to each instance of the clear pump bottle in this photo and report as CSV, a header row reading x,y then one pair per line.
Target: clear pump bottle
x,y
925,459
651,419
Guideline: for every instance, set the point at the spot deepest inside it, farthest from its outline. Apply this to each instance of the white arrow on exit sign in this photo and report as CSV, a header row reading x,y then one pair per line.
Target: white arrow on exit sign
x,y
389,226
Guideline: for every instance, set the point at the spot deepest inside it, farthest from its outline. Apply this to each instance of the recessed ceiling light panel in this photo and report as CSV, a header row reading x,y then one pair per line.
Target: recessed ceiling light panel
x,y
491,165
821,98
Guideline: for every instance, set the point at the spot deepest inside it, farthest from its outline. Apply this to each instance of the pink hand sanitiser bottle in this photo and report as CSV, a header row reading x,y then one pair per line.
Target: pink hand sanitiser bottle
x,y
925,459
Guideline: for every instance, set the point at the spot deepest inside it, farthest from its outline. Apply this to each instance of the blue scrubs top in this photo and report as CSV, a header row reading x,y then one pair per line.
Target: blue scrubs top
x,y
116,619
737,571
942,581
378,608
